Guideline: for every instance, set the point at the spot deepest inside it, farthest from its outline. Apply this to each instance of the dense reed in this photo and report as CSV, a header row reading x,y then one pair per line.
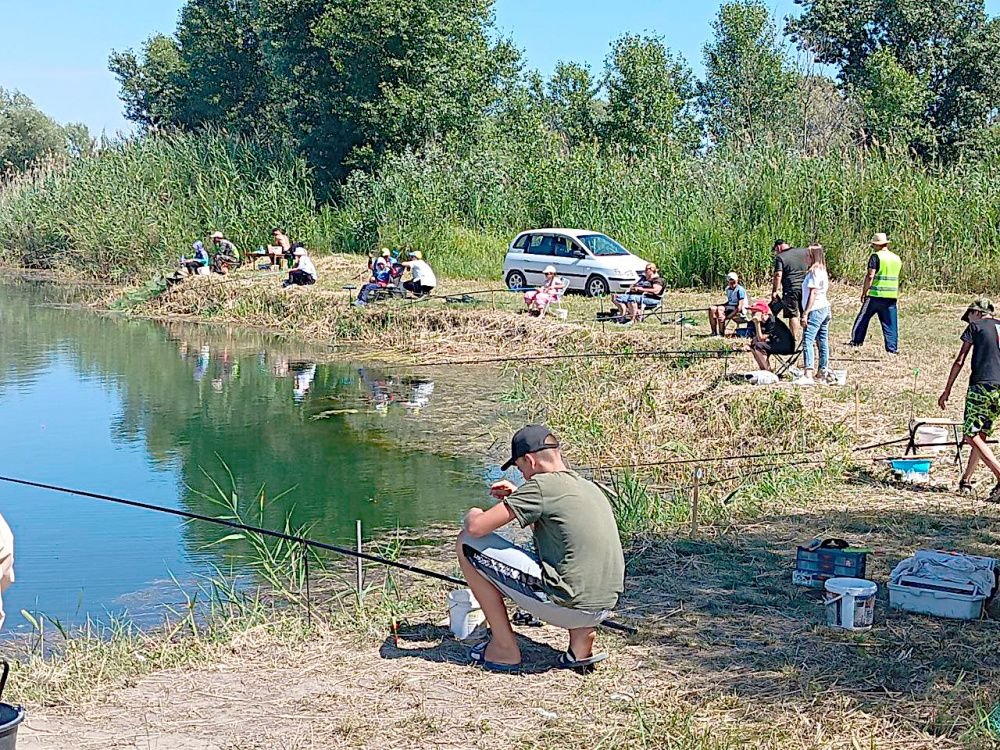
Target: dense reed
x,y
138,205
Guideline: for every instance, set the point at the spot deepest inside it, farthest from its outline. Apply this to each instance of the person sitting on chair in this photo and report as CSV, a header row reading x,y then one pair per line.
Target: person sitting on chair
x,y
537,300
226,254
771,335
381,268
304,272
736,304
645,293
574,576
200,260
424,280
281,249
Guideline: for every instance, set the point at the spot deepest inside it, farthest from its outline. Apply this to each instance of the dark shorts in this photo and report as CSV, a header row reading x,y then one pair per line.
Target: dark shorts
x,y
789,305
769,348
982,409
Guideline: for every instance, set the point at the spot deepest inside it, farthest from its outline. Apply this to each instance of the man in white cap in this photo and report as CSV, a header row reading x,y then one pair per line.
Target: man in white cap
x,y
226,254
879,295
304,272
736,304
576,573
424,280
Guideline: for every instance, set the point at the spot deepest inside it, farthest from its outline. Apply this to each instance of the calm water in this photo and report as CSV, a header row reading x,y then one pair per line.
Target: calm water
x,y
155,412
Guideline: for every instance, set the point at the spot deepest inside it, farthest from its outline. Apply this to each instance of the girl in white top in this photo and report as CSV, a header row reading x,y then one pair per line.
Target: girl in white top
x,y
816,315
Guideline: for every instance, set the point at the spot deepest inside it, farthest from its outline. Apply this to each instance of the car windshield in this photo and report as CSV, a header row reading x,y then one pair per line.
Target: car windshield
x,y
602,245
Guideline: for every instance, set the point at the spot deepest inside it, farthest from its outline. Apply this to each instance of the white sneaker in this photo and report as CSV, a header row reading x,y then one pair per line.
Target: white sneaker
x,y
803,381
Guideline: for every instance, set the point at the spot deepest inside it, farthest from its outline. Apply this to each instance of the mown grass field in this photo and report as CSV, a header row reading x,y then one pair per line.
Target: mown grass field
x,y
729,653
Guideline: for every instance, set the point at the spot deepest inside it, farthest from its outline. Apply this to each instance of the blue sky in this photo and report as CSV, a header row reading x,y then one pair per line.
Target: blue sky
x,y
56,51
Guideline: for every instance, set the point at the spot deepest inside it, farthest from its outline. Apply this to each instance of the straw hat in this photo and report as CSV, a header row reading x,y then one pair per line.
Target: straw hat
x,y
880,240
217,236
416,254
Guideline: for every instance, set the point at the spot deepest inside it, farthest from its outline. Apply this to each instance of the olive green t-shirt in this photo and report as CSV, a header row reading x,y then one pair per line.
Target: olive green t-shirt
x,y
576,538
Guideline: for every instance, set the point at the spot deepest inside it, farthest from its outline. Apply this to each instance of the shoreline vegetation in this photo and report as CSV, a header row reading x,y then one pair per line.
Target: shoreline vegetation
x,y
729,653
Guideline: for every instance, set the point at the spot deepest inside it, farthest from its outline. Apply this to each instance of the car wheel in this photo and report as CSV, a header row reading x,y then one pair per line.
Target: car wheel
x,y
597,286
516,281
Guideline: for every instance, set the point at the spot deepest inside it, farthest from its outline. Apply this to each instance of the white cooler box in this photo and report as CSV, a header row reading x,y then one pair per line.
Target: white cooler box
x,y
938,597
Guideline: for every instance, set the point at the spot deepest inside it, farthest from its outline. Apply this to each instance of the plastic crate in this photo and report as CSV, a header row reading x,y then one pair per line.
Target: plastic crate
x,y
814,564
928,600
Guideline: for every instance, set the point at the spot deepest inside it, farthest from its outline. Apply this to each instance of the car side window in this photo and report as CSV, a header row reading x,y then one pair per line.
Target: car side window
x,y
522,242
563,247
541,244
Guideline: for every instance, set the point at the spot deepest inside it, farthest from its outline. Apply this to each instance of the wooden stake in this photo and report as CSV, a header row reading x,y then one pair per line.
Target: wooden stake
x,y
361,573
857,408
698,473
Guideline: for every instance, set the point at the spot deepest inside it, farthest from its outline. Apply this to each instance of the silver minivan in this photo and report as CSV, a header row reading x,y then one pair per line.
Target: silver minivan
x,y
590,262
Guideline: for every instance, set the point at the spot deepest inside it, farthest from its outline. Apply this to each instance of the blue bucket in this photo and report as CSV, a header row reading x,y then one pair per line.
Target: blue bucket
x,y
911,465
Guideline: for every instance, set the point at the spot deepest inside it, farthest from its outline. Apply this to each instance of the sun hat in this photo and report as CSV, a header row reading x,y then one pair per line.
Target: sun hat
x,y
416,254
550,269
217,236
732,276
300,250
385,252
879,239
983,305
760,306
530,439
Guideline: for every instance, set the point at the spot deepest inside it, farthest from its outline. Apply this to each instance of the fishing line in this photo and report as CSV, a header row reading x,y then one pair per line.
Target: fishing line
x,y
294,538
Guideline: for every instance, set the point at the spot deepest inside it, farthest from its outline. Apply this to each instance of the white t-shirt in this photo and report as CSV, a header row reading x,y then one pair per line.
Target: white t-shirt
x,y
422,273
305,264
817,282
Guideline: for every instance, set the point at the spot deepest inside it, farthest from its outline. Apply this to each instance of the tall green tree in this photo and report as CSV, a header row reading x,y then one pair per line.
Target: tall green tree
x,y
153,83
572,105
950,47
28,134
748,82
650,96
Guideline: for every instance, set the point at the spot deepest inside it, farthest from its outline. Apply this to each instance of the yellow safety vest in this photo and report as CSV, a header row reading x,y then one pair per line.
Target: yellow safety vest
x,y
886,281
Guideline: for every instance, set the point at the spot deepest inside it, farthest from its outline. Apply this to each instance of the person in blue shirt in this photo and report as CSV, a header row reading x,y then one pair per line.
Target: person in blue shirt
x,y
734,309
199,261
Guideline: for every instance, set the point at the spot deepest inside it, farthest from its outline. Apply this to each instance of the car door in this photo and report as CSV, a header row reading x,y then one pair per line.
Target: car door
x,y
538,254
571,261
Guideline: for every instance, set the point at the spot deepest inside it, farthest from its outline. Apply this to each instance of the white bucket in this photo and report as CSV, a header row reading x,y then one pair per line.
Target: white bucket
x,y
464,613
933,438
850,603
562,314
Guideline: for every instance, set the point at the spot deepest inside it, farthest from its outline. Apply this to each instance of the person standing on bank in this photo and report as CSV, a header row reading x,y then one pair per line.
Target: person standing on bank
x,y
816,314
790,267
578,573
879,295
982,401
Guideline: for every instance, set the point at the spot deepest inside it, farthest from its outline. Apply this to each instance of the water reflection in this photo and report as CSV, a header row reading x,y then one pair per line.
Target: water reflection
x,y
164,412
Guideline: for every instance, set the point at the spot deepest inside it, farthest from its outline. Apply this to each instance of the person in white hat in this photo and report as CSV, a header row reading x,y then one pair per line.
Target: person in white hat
x,y
226,254
424,281
304,272
736,304
879,295
539,299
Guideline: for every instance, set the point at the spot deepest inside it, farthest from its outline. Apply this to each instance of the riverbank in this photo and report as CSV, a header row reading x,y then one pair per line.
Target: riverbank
x,y
729,653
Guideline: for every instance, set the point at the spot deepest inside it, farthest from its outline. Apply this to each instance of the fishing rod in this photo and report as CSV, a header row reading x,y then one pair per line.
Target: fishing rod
x,y
294,538
663,353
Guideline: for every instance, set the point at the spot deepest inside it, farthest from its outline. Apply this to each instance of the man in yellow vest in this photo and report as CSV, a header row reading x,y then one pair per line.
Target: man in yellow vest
x,y
879,295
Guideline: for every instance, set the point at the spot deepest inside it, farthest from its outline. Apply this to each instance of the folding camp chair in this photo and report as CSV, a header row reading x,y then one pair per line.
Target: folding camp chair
x,y
558,310
787,361
955,427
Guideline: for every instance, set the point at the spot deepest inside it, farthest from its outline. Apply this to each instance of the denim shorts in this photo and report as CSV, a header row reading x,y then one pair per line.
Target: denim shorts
x,y
636,299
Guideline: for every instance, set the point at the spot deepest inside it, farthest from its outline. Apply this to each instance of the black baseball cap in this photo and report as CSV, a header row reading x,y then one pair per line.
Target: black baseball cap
x,y
530,439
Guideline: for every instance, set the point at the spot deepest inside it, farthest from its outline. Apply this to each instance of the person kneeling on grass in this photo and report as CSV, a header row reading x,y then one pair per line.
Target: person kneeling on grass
x,y
736,304
771,335
578,573
982,401
304,272
424,280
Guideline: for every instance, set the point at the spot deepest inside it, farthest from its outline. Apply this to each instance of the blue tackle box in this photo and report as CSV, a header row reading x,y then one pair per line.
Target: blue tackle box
x,y
820,559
